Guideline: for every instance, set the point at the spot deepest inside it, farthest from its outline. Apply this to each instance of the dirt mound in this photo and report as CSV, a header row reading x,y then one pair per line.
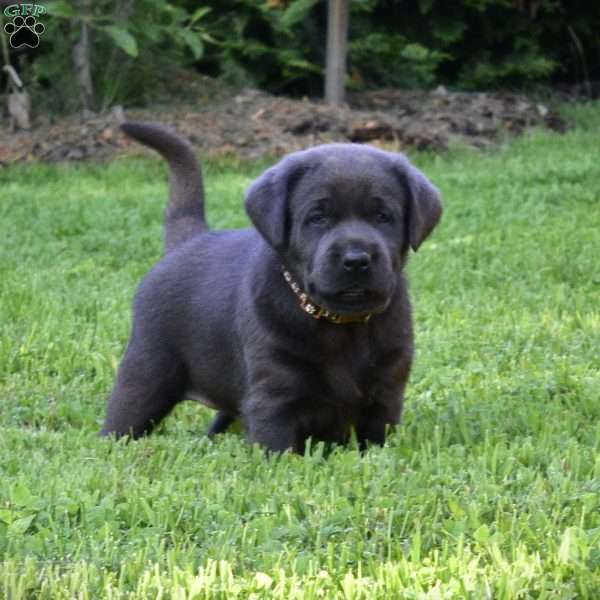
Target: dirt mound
x,y
252,124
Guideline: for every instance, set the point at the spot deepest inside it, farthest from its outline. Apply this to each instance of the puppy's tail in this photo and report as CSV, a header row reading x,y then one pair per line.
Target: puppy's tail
x,y
184,215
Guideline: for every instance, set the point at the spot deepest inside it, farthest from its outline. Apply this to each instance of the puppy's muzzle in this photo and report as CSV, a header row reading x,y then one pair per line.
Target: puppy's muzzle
x,y
351,277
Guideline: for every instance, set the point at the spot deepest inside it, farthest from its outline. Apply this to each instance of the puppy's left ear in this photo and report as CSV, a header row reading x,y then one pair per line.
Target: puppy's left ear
x,y
267,202
424,203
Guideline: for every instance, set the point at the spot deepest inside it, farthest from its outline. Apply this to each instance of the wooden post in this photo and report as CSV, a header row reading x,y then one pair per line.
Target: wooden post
x,y
82,56
337,42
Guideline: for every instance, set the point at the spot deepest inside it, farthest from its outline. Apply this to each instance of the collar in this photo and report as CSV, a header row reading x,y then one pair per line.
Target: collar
x,y
319,312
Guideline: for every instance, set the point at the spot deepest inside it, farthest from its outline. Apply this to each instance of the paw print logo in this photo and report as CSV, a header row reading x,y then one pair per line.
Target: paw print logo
x,y
24,31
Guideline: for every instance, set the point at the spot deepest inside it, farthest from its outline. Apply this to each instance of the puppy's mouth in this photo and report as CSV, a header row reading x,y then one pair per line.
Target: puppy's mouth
x,y
354,295
353,299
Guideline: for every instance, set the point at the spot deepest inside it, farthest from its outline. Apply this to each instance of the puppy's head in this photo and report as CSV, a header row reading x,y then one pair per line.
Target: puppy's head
x,y
342,217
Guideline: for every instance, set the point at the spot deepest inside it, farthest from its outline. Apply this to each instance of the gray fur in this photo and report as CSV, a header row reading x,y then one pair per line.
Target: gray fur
x,y
216,320
184,215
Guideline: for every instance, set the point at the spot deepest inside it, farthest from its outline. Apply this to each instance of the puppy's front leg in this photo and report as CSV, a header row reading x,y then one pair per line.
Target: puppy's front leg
x,y
376,417
370,427
267,422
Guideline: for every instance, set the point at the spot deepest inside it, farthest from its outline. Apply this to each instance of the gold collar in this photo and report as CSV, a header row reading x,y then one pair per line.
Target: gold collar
x,y
318,312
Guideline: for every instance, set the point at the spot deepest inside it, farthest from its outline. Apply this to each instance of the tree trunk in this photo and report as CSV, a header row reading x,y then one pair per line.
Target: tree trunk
x,y
125,10
82,57
337,41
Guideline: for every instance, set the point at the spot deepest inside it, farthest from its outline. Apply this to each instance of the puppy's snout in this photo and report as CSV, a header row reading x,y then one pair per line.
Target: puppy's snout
x,y
356,260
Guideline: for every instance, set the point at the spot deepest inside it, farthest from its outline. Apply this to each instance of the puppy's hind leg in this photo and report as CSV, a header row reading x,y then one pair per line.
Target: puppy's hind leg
x,y
150,382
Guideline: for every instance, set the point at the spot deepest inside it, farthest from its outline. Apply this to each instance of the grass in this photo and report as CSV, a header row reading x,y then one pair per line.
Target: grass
x,y
490,489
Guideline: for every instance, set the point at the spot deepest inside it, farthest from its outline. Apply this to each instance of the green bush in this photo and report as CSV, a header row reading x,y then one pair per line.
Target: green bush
x,y
279,45
475,43
131,50
391,60
274,45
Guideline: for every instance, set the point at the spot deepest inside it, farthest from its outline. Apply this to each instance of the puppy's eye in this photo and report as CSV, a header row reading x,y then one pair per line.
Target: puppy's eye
x,y
382,216
317,218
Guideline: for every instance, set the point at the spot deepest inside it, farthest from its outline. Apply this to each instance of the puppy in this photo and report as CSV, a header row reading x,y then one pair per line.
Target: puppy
x,y
299,328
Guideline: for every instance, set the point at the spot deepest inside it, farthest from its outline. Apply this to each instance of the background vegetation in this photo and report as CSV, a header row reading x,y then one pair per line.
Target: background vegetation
x,y
490,489
279,45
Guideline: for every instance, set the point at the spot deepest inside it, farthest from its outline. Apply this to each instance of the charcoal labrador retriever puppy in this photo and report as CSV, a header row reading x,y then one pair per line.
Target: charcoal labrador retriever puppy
x,y
299,328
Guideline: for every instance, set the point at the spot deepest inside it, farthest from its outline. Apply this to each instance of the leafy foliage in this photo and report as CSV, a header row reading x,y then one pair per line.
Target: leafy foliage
x,y
475,43
274,45
389,60
132,42
279,45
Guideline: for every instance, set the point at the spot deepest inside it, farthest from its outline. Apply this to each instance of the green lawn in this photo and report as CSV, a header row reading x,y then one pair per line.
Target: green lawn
x,y
490,489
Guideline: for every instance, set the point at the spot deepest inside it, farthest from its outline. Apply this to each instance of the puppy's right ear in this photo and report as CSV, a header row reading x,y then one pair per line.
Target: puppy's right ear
x,y
267,202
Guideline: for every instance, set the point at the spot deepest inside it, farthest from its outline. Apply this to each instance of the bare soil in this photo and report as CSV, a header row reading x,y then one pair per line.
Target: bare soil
x,y
252,124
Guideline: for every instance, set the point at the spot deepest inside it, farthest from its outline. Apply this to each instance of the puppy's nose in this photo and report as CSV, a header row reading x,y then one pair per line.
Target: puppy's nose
x,y
355,260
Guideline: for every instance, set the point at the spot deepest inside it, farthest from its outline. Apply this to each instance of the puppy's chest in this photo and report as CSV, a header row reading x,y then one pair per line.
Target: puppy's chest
x,y
352,367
